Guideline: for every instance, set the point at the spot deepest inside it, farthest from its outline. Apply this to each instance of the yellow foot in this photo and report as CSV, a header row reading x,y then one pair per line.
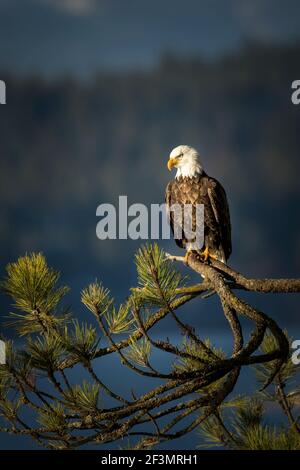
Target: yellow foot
x,y
205,255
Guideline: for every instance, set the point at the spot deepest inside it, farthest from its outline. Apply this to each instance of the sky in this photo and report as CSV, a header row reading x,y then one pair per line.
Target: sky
x,y
79,37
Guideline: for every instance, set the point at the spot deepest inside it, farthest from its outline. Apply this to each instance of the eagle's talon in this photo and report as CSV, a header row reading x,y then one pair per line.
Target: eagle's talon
x,y
205,254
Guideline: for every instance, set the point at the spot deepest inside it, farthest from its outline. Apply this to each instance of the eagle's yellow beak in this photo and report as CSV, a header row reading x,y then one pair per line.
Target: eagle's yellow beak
x,y
172,162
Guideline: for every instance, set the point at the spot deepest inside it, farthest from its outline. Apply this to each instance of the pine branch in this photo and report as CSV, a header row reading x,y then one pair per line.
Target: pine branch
x,y
192,393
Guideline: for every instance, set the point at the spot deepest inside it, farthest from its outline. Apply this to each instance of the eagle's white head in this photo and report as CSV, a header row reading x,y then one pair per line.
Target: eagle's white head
x,y
187,161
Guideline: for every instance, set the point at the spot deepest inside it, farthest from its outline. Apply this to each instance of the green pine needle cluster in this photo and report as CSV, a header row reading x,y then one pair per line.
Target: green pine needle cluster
x,y
287,371
96,298
139,352
9,408
54,421
32,284
80,340
157,279
44,352
206,353
83,398
120,320
245,429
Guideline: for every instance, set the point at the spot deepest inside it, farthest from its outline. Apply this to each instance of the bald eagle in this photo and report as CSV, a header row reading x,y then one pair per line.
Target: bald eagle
x,y
193,186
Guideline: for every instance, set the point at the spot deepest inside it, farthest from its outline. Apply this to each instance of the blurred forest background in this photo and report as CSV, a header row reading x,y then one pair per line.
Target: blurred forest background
x,y
71,142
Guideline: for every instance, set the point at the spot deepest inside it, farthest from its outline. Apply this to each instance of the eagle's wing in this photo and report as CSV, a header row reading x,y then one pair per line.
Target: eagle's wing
x,y
218,201
168,202
171,214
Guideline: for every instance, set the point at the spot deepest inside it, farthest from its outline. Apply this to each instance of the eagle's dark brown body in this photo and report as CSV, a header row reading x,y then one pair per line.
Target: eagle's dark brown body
x,y
202,189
